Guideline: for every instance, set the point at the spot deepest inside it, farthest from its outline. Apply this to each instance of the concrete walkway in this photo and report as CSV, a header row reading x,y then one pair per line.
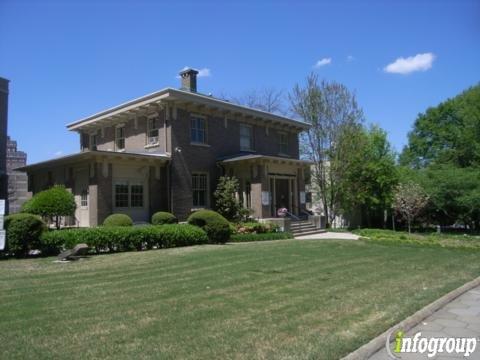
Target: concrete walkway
x,y
330,235
458,319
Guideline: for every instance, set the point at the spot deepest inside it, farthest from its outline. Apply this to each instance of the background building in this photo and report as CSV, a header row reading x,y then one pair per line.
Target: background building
x,y
3,137
17,181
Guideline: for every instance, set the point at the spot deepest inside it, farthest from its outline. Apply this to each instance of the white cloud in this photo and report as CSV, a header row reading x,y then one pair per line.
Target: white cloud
x,y
350,58
58,153
322,62
419,62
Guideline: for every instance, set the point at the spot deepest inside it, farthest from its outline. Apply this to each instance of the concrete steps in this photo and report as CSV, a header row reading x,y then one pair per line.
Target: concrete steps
x,y
304,227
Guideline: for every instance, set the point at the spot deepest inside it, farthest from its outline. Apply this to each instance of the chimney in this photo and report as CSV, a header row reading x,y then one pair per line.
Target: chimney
x,y
189,79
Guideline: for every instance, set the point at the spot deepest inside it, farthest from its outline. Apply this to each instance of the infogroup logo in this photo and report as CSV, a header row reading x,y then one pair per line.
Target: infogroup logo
x,y
430,346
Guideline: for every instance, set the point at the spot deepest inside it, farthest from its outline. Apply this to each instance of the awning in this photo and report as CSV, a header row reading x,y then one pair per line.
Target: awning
x,y
96,155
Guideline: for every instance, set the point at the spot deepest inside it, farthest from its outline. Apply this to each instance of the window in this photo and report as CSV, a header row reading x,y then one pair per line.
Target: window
x,y
121,195
120,138
283,143
93,142
136,196
246,137
197,130
199,189
84,198
152,131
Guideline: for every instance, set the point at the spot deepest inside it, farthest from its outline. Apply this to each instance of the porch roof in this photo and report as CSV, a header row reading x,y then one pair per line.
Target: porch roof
x,y
262,158
95,154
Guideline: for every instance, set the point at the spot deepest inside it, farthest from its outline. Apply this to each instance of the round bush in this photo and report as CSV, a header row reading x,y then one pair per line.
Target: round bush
x,y
214,224
23,233
118,220
162,217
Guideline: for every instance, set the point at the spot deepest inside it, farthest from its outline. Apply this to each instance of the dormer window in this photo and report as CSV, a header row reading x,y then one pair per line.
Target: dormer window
x,y
283,143
152,131
198,130
120,138
246,137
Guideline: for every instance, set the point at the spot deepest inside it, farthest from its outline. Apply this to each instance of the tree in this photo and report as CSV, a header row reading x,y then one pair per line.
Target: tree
x,y
447,133
226,202
409,200
52,203
370,173
266,99
330,108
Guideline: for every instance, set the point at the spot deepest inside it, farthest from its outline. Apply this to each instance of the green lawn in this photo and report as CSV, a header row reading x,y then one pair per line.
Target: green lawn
x,y
267,300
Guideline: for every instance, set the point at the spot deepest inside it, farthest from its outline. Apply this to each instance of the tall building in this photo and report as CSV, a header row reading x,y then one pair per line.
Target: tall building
x,y
17,181
3,137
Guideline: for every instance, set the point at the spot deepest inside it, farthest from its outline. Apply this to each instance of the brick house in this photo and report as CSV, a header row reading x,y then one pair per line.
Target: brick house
x,y
165,151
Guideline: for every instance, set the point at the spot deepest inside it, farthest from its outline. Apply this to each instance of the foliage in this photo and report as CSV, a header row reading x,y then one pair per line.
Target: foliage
x,y
409,200
162,217
214,224
225,201
23,233
448,133
52,203
266,99
247,237
369,172
118,220
255,227
390,237
330,108
121,238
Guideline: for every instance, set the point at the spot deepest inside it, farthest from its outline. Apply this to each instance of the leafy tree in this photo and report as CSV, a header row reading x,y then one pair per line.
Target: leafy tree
x,y
409,200
447,133
330,108
52,203
370,172
226,202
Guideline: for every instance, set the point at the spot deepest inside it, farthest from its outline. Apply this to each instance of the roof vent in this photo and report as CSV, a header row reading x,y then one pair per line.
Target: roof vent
x,y
189,79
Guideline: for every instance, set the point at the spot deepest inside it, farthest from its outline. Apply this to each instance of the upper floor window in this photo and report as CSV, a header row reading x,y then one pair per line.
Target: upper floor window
x,y
246,137
152,131
198,130
120,138
199,190
93,142
283,143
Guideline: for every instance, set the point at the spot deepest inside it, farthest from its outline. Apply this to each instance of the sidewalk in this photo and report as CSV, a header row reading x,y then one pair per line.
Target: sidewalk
x,y
330,235
459,319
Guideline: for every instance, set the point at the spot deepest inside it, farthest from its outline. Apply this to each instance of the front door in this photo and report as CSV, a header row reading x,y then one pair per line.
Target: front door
x,y
281,196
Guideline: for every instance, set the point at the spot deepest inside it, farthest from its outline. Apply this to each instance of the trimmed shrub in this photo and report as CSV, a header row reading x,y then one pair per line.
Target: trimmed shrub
x,y
256,228
121,238
23,233
52,203
118,220
261,237
163,217
214,224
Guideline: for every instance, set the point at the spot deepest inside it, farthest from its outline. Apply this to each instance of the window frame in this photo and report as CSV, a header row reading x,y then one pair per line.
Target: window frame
x,y
117,138
193,139
194,189
91,141
251,146
142,195
84,199
282,144
156,120
128,196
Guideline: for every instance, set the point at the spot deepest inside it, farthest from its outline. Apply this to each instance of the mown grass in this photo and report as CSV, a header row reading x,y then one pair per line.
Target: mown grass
x,y
273,300
445,240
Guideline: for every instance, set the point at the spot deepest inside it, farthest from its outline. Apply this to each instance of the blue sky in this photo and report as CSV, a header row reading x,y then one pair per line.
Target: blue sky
x,y
69,59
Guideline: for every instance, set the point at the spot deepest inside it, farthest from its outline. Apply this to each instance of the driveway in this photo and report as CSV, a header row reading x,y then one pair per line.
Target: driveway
x,y
329,235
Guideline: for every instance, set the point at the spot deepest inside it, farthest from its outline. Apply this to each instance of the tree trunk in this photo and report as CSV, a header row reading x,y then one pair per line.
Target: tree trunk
x,y
408,222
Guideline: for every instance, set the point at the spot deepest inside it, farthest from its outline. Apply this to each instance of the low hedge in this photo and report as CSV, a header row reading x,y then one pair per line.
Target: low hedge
x,y
126,238
118,220
215,225
162,217
23,233
261,237
255,227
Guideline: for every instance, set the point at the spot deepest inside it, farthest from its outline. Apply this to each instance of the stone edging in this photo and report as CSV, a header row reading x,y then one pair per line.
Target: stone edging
x,y
367,350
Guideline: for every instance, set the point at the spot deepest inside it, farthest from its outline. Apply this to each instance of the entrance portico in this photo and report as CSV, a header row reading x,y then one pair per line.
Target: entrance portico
x,y
268,183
